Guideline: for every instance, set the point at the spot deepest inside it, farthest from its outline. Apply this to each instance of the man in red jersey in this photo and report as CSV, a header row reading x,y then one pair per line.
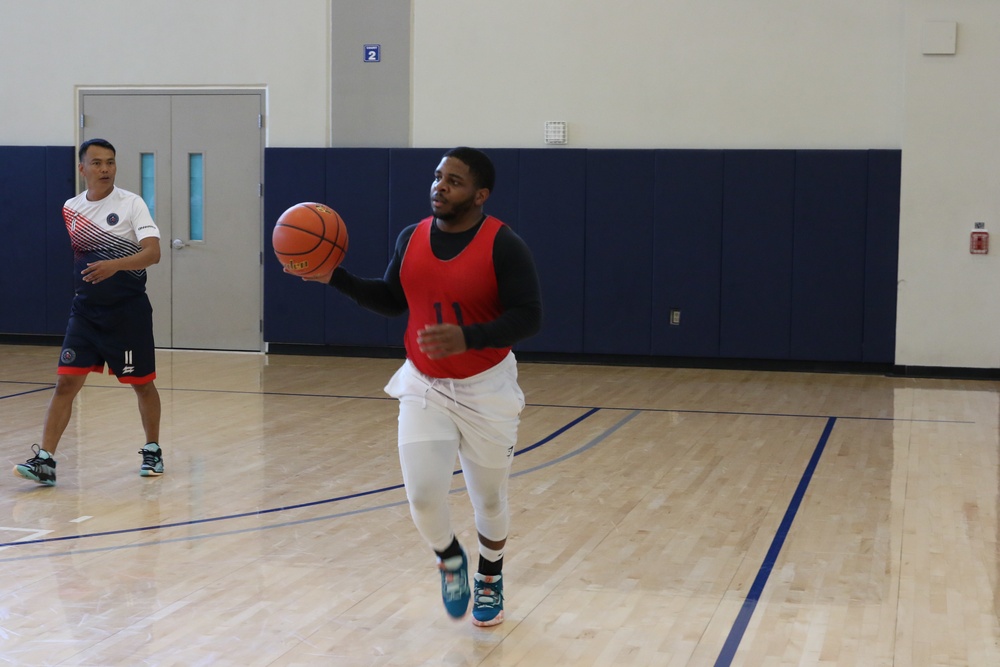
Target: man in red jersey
x,y
114,240
471,289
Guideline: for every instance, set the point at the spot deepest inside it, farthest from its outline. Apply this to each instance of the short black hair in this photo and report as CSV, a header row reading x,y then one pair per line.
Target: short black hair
x,y
480,166
103,143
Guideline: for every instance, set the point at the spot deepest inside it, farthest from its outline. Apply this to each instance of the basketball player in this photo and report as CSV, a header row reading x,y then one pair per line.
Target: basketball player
x,y
471,289
114,239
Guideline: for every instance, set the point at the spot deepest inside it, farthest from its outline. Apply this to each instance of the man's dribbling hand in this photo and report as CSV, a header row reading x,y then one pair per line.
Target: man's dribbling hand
x,y
441,340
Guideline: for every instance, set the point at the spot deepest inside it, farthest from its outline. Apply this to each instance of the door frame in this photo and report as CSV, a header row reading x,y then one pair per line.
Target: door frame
x,y
259,91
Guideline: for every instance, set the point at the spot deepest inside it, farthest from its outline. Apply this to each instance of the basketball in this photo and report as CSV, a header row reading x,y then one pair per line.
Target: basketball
x,y
310,239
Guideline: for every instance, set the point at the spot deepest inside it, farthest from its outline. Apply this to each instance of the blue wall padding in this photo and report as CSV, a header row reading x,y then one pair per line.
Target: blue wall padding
x,y
357,187
757,235
881,256
411,172
828,280
22,200
687,252
767,254
551,218
505,198
293,308
617,283
60,185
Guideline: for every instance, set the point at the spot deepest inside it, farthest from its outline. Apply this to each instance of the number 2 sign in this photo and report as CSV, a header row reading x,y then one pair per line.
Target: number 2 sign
x,y
373,53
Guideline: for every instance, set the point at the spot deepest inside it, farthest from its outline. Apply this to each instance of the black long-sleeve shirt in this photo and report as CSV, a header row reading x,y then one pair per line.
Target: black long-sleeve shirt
x,y
517,284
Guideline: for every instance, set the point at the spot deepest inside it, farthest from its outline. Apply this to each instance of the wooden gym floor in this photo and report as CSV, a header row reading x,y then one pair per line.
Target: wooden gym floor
x,y
659,517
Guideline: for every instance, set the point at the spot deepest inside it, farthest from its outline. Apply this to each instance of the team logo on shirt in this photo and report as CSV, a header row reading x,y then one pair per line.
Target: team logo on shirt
x,y
113,219
68,356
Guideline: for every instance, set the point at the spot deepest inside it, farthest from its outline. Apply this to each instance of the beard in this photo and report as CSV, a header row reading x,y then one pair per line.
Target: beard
x,y
457,210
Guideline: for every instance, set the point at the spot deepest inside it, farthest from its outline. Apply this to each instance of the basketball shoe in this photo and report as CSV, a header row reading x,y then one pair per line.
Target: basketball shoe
x,y
152,460
455,584
487,600
39,468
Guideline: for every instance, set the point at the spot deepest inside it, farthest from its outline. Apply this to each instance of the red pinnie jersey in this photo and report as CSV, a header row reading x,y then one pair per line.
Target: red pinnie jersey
x,y
461,291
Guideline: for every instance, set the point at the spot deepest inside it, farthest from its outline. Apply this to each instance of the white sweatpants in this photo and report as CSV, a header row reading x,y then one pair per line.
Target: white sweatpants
x,y
474,418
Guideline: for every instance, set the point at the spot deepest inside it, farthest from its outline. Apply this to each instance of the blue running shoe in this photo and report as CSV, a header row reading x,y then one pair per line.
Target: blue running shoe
x,y
487,600
39,468
455,584
152,460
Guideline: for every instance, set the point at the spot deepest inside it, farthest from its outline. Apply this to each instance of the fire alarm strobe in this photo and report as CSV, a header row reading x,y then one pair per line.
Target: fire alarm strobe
x,y
979,242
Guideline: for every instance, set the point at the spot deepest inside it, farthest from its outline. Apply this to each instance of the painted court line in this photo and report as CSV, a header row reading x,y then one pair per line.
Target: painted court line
x,y
33,534
592,443
729,648
753,596
285,508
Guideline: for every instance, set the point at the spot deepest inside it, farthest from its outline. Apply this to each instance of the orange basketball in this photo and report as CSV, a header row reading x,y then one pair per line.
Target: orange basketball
x,y
310,239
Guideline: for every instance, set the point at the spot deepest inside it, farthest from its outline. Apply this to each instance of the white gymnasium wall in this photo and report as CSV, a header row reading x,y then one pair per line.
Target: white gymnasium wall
x,y
949,311
626,74
631,73
50,47
659,73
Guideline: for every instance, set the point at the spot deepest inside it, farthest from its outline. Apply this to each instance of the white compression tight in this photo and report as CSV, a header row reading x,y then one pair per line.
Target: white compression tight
x,y
427,471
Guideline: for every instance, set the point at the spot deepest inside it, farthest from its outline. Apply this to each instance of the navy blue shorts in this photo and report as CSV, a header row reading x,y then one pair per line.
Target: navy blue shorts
x,y
120,336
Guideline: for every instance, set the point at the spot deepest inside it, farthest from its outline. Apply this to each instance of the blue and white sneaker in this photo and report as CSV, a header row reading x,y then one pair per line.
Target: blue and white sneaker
x,y
455,584
487,600
39,468
152,460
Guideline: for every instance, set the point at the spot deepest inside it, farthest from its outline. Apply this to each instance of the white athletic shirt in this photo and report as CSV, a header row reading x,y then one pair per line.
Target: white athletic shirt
x,y
108,229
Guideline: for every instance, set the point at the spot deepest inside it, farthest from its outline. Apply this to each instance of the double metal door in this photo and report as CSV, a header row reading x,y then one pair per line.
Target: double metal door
x,y
197,159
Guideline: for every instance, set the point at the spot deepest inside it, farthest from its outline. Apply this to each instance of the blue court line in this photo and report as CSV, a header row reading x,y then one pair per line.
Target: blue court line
x,y
285,508
242,515
532,405
736,633
753,596
738,413
559,432
30,391
190,538
596,441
